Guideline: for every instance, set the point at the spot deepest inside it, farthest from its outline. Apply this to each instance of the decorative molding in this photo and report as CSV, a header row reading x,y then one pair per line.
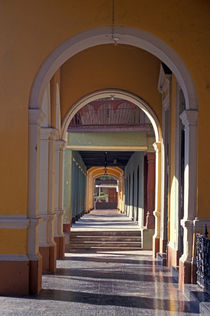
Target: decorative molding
x,y
200,223
33,222
157,146
186,223
14,257
189,117
35,116
164,87
47,217
48,133
45,133
118,148
19,222
59,144
156,213
59,212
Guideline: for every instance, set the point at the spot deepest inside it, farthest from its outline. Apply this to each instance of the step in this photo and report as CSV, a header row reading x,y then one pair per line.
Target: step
x,y
104,244
94,249
105,233
107,238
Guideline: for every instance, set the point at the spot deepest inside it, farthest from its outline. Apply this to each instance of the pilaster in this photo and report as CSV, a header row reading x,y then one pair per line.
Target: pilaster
x,y
58,199
150,219
189,119
36,117
157,212
47,214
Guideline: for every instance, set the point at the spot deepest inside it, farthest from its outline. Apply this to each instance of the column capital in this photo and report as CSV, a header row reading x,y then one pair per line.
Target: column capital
x,y
157,146
189,117
48,132
54,133
35,116
45,133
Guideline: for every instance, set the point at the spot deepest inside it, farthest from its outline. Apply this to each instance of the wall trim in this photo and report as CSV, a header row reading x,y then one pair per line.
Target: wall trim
x,y
114,148
200,223
13,257
19,222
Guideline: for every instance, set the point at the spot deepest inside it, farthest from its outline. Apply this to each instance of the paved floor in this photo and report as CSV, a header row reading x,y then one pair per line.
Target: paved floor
x,y
104,220
111,283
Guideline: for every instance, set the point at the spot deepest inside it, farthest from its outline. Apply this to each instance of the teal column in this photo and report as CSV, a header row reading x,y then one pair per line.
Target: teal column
x,y
67,176
77,189
73,188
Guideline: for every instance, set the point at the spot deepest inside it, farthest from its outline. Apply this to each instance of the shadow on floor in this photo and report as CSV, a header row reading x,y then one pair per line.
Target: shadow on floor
x,y
114,275
117,300
112,260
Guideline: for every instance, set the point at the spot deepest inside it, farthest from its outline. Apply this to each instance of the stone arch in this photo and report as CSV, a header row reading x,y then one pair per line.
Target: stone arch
x,y
155,46
103,35
112,93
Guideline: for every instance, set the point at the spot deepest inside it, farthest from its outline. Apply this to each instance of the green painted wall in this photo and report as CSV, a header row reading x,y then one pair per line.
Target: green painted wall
x,y
134,188
67,185
110,139
74,185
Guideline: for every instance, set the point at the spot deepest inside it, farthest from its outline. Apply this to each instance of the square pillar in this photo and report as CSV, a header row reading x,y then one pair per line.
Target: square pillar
x,y
186,262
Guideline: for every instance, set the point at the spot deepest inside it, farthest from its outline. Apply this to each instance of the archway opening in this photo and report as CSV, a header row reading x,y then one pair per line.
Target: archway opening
x,y
138,39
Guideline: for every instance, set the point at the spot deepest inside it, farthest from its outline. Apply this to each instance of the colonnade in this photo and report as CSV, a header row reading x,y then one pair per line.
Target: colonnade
x,y
140,189
74,188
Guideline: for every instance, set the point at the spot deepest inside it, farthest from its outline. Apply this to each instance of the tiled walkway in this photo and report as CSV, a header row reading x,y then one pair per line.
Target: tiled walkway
x,y
113,283
104,220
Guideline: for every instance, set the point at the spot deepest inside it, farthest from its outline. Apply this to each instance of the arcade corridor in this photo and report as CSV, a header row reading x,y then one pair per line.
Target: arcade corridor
x,y
104,105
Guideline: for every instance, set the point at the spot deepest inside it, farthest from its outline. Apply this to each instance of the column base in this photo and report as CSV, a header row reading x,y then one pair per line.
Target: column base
x,y
155,246
60,247
187,273
20,277
150,221
35,277
184,273
48,259
66,228
147,238
172,257
163,246
14,276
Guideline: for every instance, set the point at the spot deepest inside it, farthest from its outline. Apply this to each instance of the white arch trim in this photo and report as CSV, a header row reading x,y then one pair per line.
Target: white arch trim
x,y
103,35
117,177
116,94
114,169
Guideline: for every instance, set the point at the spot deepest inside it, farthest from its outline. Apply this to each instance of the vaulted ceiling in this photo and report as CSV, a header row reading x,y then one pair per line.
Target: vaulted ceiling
x,y
106,158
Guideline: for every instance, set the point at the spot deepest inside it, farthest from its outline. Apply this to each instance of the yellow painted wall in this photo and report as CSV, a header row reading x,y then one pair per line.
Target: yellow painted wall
x,y
13,241
108,66
30,30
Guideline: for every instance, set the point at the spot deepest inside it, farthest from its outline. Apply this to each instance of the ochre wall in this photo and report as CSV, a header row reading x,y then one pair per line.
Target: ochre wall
x,y
15,241
30,30
108,66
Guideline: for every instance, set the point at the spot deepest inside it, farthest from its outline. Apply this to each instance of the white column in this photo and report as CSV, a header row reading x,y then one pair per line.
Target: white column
x,y
47,171
35,118
59,148
189,119
157,212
